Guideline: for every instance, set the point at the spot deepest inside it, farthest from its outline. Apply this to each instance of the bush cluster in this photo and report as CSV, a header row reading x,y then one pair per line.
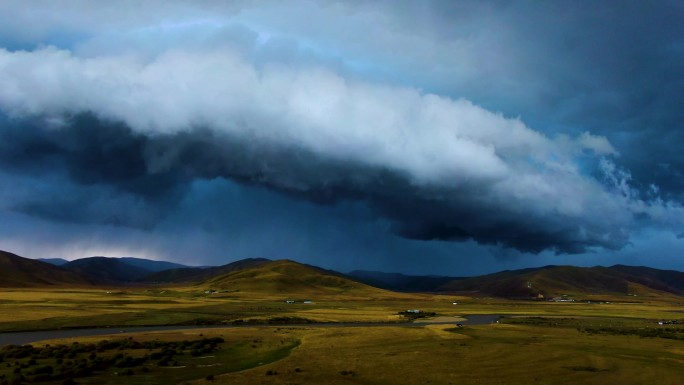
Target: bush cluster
x,y
65,362
650,332
413,316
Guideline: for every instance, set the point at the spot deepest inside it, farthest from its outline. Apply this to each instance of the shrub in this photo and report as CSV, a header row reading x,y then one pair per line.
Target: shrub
x,y
47,369
42,378
130,362
127,372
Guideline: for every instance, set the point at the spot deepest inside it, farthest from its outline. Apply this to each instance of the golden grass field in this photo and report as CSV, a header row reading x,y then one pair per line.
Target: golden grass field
x,y
492,354
538,342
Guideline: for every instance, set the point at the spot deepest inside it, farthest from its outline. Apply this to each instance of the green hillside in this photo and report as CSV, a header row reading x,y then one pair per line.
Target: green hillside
x,y
199,274
557,280
288,277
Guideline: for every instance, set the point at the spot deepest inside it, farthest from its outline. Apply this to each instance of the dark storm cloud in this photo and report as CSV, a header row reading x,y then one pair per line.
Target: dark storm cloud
x,y
106,180
630,82
90,150
158,169
347,108
613,69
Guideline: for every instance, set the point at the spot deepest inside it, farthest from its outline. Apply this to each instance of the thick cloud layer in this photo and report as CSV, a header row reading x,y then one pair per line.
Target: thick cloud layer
x,y
436,168
391,106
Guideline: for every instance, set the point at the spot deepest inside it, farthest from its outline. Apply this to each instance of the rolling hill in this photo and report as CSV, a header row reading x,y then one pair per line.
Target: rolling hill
x,y
670,281
557,280
265,276
198,274
16,271
288,277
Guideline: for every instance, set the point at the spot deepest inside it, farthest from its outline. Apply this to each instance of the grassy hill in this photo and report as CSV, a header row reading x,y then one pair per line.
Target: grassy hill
x,y
263,276
16,271
277,277
670,281
288,277
200,274
557,280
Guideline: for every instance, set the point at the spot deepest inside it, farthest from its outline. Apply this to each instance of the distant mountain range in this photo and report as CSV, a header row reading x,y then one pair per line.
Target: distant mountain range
x,y
250,275
147,264
288,277
198,274
557,280
401,282
266,276
53,261
16,271
117,270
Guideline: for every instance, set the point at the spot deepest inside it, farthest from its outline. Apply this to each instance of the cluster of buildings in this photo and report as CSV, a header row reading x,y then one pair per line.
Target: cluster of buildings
x,y
672,322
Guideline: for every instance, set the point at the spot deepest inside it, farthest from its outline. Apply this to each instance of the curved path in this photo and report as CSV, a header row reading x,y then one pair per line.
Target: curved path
x,y
20,338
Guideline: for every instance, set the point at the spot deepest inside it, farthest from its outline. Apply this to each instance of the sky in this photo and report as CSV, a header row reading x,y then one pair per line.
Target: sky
x,y
433,137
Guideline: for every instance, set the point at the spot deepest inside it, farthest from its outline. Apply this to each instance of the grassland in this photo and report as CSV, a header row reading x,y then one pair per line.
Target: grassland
x,y
40,309
147,358
491,354
609,340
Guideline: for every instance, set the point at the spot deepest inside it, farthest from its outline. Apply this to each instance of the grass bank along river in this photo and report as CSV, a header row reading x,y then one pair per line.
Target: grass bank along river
x,y
20,338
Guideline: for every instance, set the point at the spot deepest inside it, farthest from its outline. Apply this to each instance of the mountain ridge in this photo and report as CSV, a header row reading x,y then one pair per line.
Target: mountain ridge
x,y
401,282
246,274
198,274
17,271
553,280
289,277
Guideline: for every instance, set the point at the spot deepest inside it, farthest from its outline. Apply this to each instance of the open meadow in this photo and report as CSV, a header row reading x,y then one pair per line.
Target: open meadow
x,y
43,309
613,339
47,309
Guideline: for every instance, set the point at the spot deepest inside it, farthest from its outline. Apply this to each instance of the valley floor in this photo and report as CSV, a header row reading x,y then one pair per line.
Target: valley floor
x,y
610,340
495,354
